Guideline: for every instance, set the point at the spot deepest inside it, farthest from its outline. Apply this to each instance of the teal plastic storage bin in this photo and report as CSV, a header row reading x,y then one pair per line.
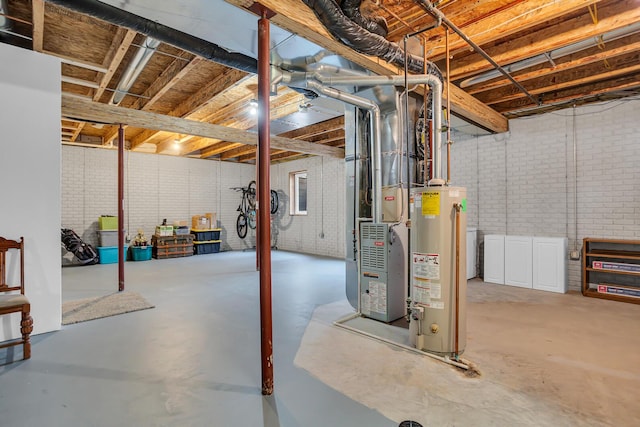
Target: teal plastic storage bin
x,y
109,254
141,253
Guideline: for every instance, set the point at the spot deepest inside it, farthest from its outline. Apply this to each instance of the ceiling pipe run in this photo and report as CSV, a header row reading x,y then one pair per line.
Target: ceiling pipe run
x,y
134,69
363,41
433,11
554,54
160,32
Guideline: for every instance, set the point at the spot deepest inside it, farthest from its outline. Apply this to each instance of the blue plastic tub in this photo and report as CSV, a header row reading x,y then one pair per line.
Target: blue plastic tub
x,y
109,254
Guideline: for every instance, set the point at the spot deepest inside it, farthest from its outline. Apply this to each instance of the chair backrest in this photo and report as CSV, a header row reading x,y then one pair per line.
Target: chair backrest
x,y
5,246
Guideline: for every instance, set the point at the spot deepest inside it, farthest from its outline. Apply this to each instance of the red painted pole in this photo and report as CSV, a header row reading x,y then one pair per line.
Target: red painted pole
x,y
120,208
264,184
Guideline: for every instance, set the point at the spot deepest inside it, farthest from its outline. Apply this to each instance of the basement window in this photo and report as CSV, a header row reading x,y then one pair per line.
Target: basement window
x,y
298,192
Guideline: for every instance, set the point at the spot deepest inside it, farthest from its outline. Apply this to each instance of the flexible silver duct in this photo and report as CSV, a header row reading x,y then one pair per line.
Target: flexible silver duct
x,y
554,54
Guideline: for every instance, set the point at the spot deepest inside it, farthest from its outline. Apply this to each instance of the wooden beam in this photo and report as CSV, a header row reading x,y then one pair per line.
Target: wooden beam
x,y
573,94
171,75
77,62
218,148
612,16
237,152
583,76
79,82
614,48
93,111
119,47
520,17
37,29
297,18
315,129
196,101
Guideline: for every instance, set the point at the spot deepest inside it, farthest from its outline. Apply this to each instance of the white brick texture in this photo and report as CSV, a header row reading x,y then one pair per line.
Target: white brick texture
x,y
522,182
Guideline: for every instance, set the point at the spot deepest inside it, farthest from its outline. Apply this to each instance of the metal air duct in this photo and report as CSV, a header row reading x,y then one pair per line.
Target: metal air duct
x,y
134,69
162,33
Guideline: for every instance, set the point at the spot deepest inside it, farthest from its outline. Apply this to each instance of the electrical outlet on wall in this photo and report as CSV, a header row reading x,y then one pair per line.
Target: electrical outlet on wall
x,y
574,255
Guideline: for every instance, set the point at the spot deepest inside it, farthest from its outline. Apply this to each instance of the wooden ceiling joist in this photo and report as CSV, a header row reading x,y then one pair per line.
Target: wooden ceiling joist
x,y
611,16
613,49
37,7
196,101
575,78
119,47
296,17
93,111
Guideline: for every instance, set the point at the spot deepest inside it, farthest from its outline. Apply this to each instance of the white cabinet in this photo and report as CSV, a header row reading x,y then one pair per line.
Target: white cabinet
x,y
518,259
494,258
550,264
472,243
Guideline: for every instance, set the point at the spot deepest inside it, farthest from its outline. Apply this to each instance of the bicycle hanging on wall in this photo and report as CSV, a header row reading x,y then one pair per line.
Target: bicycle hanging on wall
x,y
247,208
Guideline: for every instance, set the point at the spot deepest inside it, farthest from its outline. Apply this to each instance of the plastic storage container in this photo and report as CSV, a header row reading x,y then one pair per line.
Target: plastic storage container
x,y
108,222
201,248
109,254
141,253
109,237
206,235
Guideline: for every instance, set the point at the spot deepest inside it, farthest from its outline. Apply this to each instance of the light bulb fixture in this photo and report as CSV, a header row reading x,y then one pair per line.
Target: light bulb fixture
x,y
177,141
253,107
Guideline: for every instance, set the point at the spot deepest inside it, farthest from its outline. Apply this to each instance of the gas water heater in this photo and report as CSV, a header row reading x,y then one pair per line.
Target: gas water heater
x,y
438,269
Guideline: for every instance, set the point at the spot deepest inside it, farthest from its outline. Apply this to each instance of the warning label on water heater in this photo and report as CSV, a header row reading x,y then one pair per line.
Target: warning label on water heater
x,y
426,266
431,204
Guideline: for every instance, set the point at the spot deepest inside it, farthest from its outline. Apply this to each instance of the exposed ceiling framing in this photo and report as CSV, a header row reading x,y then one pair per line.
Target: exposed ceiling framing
x,y
204,105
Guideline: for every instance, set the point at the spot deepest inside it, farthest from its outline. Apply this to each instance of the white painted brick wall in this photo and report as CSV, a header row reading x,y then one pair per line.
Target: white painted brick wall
x,y
523,180
156,187
321,231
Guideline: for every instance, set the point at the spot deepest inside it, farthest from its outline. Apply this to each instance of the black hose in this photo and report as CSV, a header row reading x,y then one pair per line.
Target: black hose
x,y
161,32
376,24
363,41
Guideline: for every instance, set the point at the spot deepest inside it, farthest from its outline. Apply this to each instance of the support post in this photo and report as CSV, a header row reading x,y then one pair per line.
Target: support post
x,y
264,184
121,208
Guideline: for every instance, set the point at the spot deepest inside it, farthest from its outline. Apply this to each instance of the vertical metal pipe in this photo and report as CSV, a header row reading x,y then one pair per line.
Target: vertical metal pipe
x,y
264,238
457,207
121,208
448,110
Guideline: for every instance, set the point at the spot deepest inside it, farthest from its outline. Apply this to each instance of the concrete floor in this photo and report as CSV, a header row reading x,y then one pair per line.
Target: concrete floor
x,y
194,359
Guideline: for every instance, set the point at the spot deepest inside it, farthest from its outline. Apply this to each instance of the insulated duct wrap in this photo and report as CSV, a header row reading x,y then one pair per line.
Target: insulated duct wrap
x,y
376,25
363,41
160,32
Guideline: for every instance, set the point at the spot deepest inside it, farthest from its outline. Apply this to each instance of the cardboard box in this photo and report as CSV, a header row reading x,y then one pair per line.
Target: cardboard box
x,y
203,222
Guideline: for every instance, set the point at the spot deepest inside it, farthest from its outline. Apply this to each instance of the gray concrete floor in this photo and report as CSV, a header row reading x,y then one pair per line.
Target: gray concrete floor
x,y
194,359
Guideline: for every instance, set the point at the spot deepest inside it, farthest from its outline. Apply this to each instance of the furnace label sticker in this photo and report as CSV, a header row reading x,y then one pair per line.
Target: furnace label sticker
x,y
378,297
426,266
365,304
431,204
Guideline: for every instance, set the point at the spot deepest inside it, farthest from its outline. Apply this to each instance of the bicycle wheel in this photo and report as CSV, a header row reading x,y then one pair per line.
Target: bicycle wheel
x,y
251,195
251,219
274,201
241,226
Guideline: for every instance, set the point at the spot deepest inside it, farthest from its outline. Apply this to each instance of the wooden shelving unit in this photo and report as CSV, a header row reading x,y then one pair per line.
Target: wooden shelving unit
x,y
611,269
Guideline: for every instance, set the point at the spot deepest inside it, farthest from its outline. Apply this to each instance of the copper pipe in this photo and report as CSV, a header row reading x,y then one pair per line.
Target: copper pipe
x,y
457,207
448,109
121,208
264,234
